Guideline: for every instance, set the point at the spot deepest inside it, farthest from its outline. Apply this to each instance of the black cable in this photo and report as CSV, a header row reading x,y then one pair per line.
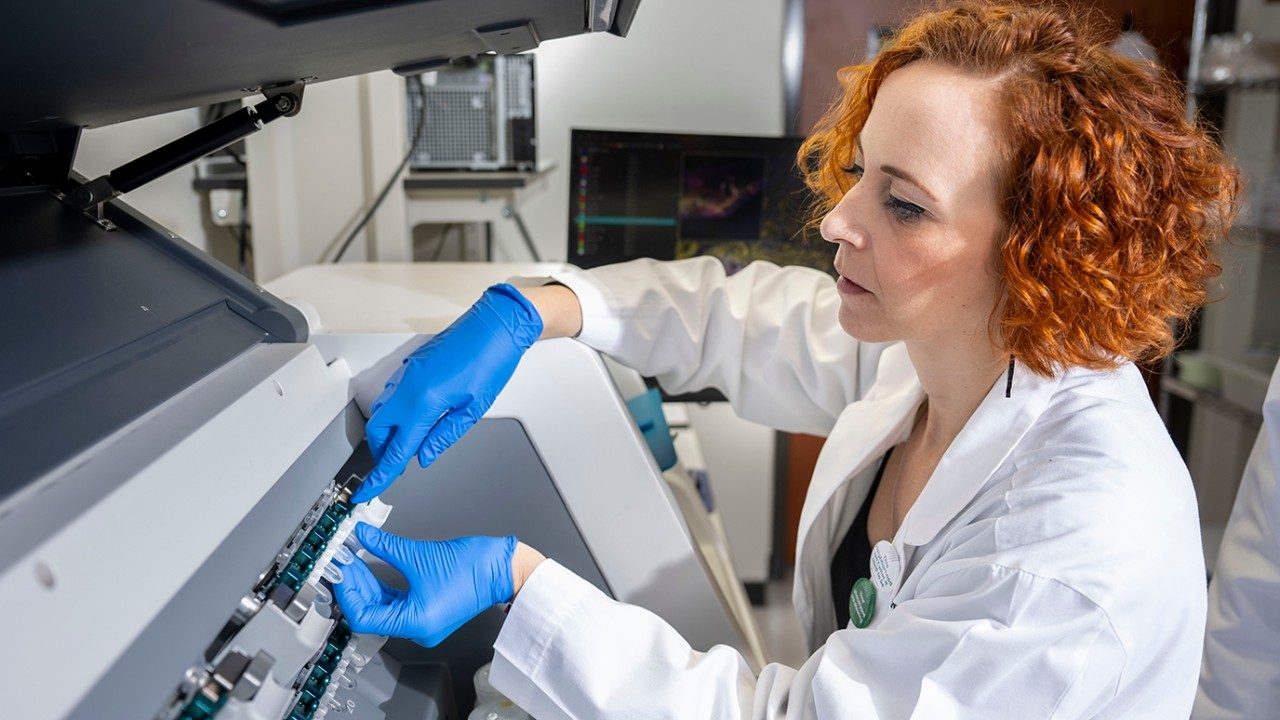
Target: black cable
x,y
244,232
391,182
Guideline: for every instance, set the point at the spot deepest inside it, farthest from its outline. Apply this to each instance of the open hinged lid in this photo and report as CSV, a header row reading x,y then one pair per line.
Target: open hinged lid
x,y
99,326
107,315
72,63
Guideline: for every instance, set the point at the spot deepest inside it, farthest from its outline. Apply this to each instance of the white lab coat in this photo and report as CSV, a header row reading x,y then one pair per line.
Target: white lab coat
x,y
1240,679
1053,561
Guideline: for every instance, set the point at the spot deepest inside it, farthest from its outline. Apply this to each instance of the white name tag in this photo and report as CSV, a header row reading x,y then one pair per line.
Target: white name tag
x,y
886,574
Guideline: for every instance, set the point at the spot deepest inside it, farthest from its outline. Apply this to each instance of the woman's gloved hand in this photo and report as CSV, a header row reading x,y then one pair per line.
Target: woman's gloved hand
x,y
446,385
450,582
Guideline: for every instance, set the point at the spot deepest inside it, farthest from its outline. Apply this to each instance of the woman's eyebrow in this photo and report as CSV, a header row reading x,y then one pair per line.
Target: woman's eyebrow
x,y
900,174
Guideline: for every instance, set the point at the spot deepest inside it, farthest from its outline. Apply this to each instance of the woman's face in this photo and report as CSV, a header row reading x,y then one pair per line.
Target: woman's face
x,y
918,234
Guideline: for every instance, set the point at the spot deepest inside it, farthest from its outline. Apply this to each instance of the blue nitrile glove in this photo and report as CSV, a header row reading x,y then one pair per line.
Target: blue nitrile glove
x,y
444,386
450,582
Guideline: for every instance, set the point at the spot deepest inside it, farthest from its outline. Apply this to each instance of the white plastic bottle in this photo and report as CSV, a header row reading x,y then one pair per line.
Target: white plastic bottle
x,y
485,692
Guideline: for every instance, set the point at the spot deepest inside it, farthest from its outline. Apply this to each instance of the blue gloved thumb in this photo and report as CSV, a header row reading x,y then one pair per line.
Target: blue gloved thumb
x,y
368,604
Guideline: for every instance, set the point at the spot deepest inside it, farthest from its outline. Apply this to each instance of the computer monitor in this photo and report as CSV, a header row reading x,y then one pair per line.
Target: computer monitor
x,y
669,196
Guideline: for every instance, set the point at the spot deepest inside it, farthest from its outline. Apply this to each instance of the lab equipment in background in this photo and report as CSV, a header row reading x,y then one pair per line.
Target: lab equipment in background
x,y
690,483
479,115
678,453
677,434
737,198
646,408
667,196
487,206
1231,59
1197,370
224,207
222,177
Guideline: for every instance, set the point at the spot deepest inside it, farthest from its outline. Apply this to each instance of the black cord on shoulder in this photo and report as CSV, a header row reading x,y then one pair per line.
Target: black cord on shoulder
x,y
1008,385
386,189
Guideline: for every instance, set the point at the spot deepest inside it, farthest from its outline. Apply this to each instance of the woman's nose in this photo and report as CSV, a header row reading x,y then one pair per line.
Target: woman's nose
x,y
839,225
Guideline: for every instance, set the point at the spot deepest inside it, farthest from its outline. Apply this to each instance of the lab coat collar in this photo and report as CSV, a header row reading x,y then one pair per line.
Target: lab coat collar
x,y
882,417
864,432
994,429
877,422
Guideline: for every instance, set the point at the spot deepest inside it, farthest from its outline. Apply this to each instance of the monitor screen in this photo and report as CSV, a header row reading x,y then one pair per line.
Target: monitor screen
x,y
667,196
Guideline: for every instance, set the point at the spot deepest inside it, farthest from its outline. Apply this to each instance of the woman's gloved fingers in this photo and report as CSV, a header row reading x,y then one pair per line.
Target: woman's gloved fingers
x,y
439,636
388,391
378,614
359,579
358,590
391,549
377,434
380,619
382,424
402,445
449,582
369,605
371,488
445,433
378,431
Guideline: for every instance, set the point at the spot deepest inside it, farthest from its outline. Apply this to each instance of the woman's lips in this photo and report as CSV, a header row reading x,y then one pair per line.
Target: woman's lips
x,y
849,287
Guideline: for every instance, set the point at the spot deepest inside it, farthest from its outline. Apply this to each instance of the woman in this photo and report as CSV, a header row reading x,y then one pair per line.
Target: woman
x,y
998,526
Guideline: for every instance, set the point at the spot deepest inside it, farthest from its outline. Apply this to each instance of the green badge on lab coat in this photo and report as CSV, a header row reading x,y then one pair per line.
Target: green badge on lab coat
x,y
862,603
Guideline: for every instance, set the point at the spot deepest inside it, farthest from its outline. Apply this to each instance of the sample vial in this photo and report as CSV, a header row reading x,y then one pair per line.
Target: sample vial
x,y
352,543
343,555
332,573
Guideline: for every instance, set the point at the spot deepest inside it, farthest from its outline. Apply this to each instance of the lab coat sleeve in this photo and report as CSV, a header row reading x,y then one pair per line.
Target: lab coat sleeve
x,y
768,337
984,642
1240,676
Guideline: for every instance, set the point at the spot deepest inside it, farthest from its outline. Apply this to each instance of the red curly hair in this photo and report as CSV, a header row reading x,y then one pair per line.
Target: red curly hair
x,y
1113,199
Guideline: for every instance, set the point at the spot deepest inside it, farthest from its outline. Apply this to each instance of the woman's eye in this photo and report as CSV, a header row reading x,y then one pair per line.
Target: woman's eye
x,y
903,210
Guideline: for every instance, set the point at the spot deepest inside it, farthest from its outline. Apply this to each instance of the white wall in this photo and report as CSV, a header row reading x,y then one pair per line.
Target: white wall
x,y
711,66
311,176
168,200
